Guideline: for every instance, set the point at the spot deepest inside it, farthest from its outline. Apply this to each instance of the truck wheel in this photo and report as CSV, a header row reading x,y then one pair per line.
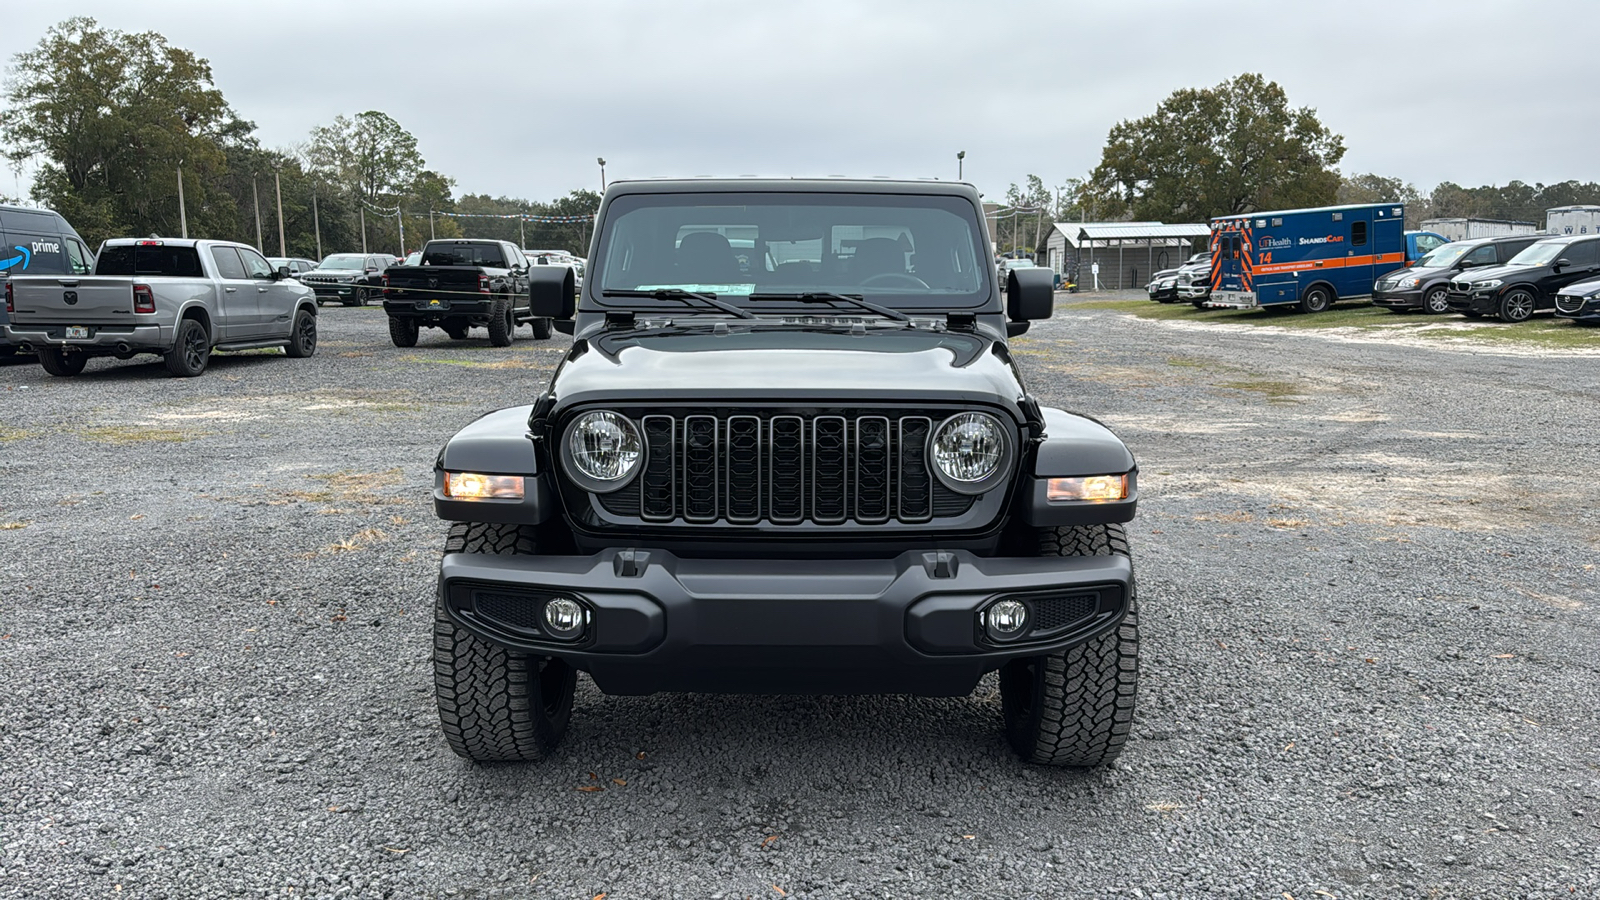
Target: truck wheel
x,y
1199,302
403,332
502,328
495,704
190,352
1075,708
541,329
456,328
60,363
1436,302
1316,299
1516,306
303,340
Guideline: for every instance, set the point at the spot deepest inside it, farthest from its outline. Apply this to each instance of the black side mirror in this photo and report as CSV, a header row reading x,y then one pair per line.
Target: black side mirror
x,y
552,293
1030,294
1562,263
281,273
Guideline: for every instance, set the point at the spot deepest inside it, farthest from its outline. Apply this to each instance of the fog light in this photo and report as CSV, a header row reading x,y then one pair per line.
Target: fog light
x,y
1095,488
563,617
1006,618
473,486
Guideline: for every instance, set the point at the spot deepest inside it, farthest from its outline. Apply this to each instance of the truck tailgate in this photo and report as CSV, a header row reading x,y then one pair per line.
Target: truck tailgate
x,y
427,281
71,300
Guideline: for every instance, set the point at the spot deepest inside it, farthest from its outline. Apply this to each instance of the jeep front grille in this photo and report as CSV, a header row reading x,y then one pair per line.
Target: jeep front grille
x,y
786,469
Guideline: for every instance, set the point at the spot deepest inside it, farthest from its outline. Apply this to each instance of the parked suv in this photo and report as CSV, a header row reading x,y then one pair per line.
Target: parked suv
x,y
350,278
822,473
1529,282
37,242
1425,285
1163,286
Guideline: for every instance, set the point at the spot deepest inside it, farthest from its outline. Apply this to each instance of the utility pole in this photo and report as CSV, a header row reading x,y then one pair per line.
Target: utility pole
x,y
256,195
430,224
522,232
400,218
363,228
316,222
961,158
183,212
277,185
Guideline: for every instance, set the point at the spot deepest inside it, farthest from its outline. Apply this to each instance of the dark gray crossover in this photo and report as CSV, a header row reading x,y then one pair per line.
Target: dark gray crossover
x,y
1425,284
789,451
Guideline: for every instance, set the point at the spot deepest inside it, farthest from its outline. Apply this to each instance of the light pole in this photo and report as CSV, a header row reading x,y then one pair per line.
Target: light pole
x,y
256,196
183,213
277,186
961,156
316,222
602,161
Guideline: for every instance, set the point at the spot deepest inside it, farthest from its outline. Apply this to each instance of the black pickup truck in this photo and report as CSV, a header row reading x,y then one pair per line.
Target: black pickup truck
x,y
461,284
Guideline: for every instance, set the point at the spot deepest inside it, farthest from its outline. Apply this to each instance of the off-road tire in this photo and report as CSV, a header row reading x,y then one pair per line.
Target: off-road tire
x,y
1518,305
60,363
496,705
303,339
1075,708
403,332
191,350
502,327
1436,301
456,328
541,328
1316,299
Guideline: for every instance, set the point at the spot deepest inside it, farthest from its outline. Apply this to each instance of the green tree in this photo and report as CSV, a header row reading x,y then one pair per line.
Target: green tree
x,y
1370,188
1237,147
110,115
369,155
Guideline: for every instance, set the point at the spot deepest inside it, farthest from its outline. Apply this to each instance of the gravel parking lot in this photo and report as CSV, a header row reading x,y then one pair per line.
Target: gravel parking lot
x,y
1371,649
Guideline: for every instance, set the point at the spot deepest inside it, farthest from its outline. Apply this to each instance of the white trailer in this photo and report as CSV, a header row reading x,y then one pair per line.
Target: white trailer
x,y
1463,229
1573,220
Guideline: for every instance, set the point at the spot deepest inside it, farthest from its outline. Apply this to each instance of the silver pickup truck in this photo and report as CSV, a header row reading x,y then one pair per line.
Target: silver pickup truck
x,y
179,299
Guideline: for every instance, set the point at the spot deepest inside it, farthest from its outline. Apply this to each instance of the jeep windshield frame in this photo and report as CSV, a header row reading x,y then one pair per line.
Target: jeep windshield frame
x,y
908,252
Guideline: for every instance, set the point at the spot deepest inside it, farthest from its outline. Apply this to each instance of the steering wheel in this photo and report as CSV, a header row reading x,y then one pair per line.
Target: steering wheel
x,y
914,280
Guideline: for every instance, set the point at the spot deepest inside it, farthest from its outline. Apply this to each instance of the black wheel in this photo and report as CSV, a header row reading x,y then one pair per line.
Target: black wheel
x,y
1316,299
60,363
7,351
190,352
1075,708
1199,302
502,328
541,329
1436,301
303,340
1517,305
495,704
456,328
403,332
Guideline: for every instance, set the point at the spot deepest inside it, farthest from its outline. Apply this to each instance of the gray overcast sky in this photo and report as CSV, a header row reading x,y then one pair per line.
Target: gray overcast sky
x,y
519,98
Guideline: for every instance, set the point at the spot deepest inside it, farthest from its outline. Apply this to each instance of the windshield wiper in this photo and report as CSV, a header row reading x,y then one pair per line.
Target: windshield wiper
x,y
680,294
855,300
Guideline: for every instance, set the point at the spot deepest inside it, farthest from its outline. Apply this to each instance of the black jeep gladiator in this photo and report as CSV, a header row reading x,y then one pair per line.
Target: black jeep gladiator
x,y
789,451
460,284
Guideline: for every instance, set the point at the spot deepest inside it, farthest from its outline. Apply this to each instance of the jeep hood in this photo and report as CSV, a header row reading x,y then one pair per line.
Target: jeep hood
x,y
786,366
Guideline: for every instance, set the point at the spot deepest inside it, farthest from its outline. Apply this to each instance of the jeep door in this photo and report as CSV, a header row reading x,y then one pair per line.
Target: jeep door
x,y
1584,259
236,304
275,299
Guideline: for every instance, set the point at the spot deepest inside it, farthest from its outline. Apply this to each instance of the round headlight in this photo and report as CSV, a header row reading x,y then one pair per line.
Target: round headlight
x,y
969,450
603,450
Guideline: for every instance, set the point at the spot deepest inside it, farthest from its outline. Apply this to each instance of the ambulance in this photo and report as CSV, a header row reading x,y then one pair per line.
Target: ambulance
x,y
1307,258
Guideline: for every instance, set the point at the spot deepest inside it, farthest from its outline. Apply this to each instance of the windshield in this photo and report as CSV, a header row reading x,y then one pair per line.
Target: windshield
x,y
903,251
344,262
464,254
1540,254
1444,257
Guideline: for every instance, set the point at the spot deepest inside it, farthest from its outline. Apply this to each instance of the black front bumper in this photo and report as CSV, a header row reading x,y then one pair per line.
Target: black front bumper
x,y
910,624
1485,303
1587,311
334,291
1160,294
1411,299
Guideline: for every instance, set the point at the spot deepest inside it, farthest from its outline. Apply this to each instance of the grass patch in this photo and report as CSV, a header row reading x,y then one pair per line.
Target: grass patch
x,y
1543,331
1275,391
512,363
1195,362
13,526
130,434
13,434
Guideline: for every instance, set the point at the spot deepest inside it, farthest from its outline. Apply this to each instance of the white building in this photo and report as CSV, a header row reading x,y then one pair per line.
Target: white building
x,y
1128,253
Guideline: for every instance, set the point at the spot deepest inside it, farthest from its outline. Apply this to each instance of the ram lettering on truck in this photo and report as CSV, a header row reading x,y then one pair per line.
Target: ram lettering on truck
x,y
178,299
